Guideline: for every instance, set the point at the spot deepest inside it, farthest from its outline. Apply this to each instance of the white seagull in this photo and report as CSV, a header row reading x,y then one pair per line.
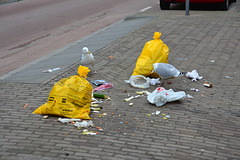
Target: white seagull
x,y
87,58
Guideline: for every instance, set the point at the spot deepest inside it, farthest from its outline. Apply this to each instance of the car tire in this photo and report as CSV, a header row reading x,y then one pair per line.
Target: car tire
x,y
164,5
224,5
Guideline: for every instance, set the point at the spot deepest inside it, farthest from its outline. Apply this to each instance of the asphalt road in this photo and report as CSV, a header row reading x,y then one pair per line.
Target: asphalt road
x,y
33,28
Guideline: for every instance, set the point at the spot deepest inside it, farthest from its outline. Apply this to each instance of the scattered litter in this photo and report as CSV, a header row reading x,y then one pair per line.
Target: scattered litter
x,y
155,81
132,97
96,109
165,70
95,101
98,82
25,105
130,104
194,75
158,112
212,61
228,77
143,92
104,114
99,95
203,95
110,57
194,89
164,117
86,132
206,84
137,96
189,96
147,93
148,114
94,105
84,124
50,70
104,86
167,116
68,120
140,93
45,117
160,96
139,81
99,128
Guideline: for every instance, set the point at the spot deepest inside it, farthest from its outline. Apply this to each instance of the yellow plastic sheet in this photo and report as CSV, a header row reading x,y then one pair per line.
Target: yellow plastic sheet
x,y
70,97
154,51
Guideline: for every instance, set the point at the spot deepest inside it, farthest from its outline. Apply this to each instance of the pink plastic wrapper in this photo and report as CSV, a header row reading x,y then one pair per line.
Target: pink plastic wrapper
x,y
104,86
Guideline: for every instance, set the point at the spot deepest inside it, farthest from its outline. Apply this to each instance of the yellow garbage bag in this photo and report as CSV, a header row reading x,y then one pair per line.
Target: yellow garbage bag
x,y
70,97
154,51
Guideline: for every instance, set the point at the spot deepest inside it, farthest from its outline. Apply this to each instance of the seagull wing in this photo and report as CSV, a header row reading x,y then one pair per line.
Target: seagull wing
x,y
87,59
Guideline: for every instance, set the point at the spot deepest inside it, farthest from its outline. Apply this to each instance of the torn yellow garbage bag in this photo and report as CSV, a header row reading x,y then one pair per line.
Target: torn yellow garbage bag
x,y
70,97
154,51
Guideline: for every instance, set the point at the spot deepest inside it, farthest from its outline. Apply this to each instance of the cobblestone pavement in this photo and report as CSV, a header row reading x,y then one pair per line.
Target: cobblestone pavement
x,y
205,127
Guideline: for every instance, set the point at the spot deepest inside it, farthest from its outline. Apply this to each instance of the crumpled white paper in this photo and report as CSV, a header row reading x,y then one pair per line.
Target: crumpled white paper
x,y
68,120
84,124
194,75
155,81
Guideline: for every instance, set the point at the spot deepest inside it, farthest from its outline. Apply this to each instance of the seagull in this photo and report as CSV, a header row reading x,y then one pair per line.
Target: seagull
x,y
87,58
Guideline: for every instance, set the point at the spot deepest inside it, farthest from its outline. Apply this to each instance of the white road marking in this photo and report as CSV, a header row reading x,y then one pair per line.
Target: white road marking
x,y
144,9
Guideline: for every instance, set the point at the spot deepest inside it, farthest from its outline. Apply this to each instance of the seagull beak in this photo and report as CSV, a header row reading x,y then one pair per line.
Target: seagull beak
x,y
88,52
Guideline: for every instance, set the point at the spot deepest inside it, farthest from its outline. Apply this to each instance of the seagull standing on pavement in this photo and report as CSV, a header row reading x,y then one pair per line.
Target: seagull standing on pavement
x,y
87,58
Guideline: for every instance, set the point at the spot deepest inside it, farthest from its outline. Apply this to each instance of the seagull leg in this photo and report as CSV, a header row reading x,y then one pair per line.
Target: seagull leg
x,y
94,71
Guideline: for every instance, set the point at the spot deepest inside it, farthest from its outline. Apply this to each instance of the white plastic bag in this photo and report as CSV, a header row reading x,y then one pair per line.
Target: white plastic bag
x,y
139,81
160,96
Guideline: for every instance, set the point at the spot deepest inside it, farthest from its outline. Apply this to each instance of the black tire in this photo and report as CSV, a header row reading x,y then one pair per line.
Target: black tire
x,y
224,5
233,1
164,5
